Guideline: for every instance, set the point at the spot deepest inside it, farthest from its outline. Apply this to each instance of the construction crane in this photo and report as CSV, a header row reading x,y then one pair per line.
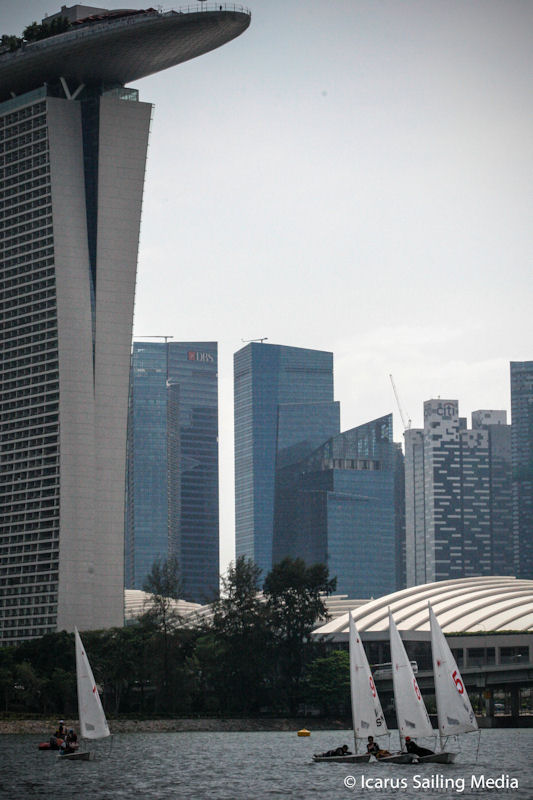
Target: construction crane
x,y
406,423
247,341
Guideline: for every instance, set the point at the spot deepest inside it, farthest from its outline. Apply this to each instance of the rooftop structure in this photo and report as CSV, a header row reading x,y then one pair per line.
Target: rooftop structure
x,y
114,48
137,603
473,605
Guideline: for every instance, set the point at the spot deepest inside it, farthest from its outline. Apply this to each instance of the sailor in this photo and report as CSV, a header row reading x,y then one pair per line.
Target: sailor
x,y
412,747
374,749
339,751
70,744
56,740
72,739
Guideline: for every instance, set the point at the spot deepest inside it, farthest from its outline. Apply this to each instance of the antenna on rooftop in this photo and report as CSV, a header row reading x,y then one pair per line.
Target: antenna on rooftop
x,y
247,341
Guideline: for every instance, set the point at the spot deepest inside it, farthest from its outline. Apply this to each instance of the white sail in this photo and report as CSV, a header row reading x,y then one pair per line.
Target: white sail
x,y
367,714
411,713
454,711
93,724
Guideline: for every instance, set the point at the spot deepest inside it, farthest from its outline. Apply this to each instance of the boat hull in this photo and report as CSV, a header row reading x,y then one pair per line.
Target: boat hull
x,y
397,758
86,755
438,758
354,759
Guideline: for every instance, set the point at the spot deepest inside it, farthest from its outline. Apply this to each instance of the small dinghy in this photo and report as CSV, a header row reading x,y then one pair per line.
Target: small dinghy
x,y
93,723
367,714
454,710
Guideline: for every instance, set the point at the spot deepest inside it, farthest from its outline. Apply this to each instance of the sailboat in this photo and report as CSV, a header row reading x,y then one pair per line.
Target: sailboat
x,y
411,712
367,714
454,710
93,723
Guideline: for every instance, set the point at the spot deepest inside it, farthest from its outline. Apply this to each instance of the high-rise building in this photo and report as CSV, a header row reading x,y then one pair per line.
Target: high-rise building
x,y
500,488
172,474
284,409
456,494
337,507
72,161
522,461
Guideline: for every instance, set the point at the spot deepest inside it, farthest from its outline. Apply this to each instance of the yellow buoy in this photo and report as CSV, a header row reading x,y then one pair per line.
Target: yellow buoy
x,y
304,732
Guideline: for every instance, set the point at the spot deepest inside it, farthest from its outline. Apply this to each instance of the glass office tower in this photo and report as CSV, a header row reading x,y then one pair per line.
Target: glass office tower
x,y
172,478
337,506
522,461
284,409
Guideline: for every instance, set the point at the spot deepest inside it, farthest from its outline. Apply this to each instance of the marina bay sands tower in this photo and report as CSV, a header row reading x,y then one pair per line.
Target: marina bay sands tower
x,y
73,142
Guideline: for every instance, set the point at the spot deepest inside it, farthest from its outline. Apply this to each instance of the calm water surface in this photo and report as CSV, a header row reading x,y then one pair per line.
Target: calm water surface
x,y
255,766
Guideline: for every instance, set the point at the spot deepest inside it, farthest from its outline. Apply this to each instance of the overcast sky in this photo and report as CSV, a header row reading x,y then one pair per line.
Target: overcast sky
x,y
347,175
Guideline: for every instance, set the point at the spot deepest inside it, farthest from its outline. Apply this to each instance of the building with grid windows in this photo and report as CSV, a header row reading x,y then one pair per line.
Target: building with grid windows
x,y
73,146
172,470
284,409
522,460
457,495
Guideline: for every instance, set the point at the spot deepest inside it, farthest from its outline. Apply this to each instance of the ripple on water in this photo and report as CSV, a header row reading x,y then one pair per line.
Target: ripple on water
x,y
246,766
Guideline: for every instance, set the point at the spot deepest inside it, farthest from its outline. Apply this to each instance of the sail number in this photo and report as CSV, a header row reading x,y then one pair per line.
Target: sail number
x,y
459,685
417,690
372,686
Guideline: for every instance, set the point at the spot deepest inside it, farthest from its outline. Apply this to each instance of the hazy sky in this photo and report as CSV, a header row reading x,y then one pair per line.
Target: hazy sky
x,y
348,175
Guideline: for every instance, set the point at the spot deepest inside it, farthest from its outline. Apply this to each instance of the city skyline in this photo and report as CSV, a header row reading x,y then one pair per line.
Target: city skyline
x,y
365,193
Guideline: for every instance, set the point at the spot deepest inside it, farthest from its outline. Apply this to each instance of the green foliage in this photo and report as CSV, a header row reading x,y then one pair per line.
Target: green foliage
x,y
328,682
238,647
294,594
163,583
35,31
12,43
253,653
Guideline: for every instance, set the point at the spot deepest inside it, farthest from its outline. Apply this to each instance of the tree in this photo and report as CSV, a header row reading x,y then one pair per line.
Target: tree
x,y
163,583
35,31
295,600
328,681
235,651
10,42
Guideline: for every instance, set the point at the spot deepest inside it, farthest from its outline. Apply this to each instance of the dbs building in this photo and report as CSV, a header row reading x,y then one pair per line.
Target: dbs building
x,y
73,142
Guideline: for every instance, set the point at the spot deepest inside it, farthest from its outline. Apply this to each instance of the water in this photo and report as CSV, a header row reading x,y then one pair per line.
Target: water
x,y
254,766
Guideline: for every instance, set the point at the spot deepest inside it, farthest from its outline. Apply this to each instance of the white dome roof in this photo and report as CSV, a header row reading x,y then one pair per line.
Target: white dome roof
x,y
137,602
473,605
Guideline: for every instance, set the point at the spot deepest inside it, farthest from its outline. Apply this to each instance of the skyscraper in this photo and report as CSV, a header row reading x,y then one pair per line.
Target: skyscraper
x,y
500,489
74,143
522,461
172,475
451,490
284,409
337,507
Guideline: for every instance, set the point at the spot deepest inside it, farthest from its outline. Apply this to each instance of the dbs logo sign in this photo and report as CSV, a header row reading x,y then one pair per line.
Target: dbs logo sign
x,y
206,358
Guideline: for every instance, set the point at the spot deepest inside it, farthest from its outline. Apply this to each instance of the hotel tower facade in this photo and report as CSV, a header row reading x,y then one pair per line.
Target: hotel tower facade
x,y
73,144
